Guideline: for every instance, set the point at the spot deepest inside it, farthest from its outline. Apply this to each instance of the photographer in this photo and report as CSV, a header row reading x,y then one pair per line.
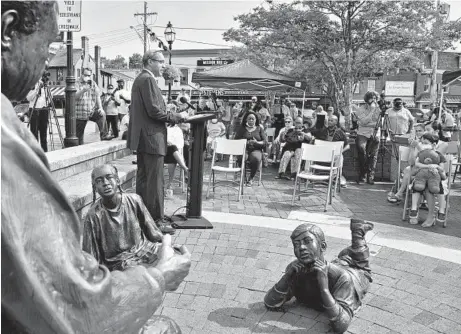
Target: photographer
x,y
367,141
110,106
88,106
39,112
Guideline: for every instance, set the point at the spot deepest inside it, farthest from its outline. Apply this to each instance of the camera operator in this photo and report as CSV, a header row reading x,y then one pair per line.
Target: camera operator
x,y
110,106
88,106
366,142
400,119
39,112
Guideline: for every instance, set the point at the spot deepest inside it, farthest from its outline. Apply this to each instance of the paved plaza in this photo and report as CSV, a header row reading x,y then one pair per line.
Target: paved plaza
x,y
416,271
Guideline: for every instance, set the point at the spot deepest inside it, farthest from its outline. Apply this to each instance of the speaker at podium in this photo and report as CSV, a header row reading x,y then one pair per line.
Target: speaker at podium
x,y
193,218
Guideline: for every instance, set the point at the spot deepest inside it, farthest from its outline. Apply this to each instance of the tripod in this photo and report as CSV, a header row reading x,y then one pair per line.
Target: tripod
x,y
384,123
51,115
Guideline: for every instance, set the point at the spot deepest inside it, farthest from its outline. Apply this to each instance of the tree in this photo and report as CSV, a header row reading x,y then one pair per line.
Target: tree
x,y
118,63
349,39
135,61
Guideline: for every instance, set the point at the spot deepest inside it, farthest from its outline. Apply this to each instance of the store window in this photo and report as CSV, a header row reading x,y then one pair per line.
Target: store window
x,y
184,76
60,74
427,83
371,85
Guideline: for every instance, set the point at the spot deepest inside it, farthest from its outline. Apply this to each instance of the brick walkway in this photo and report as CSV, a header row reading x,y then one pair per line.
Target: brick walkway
x,y
234,265
273,199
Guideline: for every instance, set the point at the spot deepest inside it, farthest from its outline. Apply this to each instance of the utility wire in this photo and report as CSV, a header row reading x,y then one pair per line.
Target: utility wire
x,y
184,28
189,41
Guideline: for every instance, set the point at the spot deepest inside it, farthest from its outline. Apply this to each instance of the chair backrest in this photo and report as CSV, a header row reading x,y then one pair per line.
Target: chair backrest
x,y
270,132
318,153
404,153
337,145
230,146
453,148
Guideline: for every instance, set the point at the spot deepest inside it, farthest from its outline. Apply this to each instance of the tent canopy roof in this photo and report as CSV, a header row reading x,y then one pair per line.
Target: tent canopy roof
x,y
246,75
450,77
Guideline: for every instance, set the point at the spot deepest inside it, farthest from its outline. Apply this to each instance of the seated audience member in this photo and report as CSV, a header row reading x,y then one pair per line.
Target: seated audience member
x,y
333,132
256,141
291,152
429,140
413,146
277,143
264,115
174,155
216,129
118,230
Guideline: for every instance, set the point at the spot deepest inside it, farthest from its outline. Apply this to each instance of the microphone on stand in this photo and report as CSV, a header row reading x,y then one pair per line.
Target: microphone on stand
x,y
183,100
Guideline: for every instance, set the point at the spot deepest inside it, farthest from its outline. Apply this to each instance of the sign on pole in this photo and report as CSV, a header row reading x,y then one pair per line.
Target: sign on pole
x,y
70,15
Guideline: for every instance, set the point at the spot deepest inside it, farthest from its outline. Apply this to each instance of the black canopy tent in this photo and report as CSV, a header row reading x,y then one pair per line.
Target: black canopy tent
x,y
246,75
449,78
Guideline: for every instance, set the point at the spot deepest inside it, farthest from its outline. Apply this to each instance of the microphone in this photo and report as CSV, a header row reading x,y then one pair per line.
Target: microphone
x,y
183,100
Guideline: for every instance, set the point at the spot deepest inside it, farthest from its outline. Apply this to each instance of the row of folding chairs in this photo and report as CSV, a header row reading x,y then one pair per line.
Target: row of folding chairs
x,y
321,162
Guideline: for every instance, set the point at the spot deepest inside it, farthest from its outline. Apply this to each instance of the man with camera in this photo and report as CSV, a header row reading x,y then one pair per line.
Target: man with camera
x,y
39,113
110,106
88,106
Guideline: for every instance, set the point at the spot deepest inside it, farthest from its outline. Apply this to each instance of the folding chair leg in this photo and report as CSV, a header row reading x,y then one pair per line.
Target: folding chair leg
x,y
328,195
214,180
294,192
209,185
405,204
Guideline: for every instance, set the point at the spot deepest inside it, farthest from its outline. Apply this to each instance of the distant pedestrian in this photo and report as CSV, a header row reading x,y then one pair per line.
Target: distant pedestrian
x,y
39,114
123,98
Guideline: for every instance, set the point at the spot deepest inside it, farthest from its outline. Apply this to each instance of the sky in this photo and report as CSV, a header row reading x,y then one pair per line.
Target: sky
x,y
107,23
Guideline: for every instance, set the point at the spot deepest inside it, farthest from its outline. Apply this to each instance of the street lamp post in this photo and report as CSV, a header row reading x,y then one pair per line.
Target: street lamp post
x,y
170,36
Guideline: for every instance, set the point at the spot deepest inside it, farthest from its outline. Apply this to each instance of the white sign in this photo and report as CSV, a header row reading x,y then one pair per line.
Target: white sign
x,y
70,16
400,88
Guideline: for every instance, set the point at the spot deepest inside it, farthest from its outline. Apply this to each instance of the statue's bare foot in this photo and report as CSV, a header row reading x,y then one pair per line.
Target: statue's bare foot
x,y
430,221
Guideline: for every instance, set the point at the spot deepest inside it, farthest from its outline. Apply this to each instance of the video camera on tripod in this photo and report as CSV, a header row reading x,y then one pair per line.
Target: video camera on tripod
x,y
45,78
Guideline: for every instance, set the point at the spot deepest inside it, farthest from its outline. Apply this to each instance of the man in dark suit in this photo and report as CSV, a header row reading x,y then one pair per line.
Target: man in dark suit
x,y
148,136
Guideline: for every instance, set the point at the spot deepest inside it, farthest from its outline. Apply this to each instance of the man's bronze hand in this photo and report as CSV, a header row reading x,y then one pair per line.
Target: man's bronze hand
x,y
175,118
174,263
321,270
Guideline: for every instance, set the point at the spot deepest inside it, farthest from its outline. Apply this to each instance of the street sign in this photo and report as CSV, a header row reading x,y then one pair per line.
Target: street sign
x,y
213,62
70,18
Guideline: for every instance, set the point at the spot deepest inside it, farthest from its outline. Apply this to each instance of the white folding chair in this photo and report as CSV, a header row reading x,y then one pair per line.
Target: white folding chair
x,y
404,156
233,148
452,159
338,147
317,153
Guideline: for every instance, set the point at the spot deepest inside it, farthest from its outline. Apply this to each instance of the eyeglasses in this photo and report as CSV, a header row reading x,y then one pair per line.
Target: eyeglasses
x,y
158,61
287,122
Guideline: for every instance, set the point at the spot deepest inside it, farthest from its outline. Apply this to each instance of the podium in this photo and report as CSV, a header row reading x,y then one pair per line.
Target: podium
x,y
193,218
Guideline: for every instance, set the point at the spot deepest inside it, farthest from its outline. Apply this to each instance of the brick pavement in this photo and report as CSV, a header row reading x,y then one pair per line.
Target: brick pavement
x,y
273,199
234,265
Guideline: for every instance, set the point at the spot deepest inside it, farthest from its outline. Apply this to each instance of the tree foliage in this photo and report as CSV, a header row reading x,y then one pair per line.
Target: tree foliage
x,y
135,61
118,63
346,40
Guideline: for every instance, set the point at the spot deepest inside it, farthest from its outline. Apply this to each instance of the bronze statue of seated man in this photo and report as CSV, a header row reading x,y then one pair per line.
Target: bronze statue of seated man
x,y
118,229
336,288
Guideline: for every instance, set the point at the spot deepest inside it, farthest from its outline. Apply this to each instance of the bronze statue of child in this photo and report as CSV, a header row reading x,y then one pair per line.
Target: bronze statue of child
x,y
336,288
118,229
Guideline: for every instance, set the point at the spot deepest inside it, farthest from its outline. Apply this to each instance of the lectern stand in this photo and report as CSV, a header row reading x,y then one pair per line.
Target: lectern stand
x,y
193,218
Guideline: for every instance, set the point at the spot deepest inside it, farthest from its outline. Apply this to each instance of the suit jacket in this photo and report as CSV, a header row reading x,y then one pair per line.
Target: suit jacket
x,y
148,117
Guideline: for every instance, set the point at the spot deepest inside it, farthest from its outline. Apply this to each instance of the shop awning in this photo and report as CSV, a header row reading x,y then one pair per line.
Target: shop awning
x,y
58,91
451,77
